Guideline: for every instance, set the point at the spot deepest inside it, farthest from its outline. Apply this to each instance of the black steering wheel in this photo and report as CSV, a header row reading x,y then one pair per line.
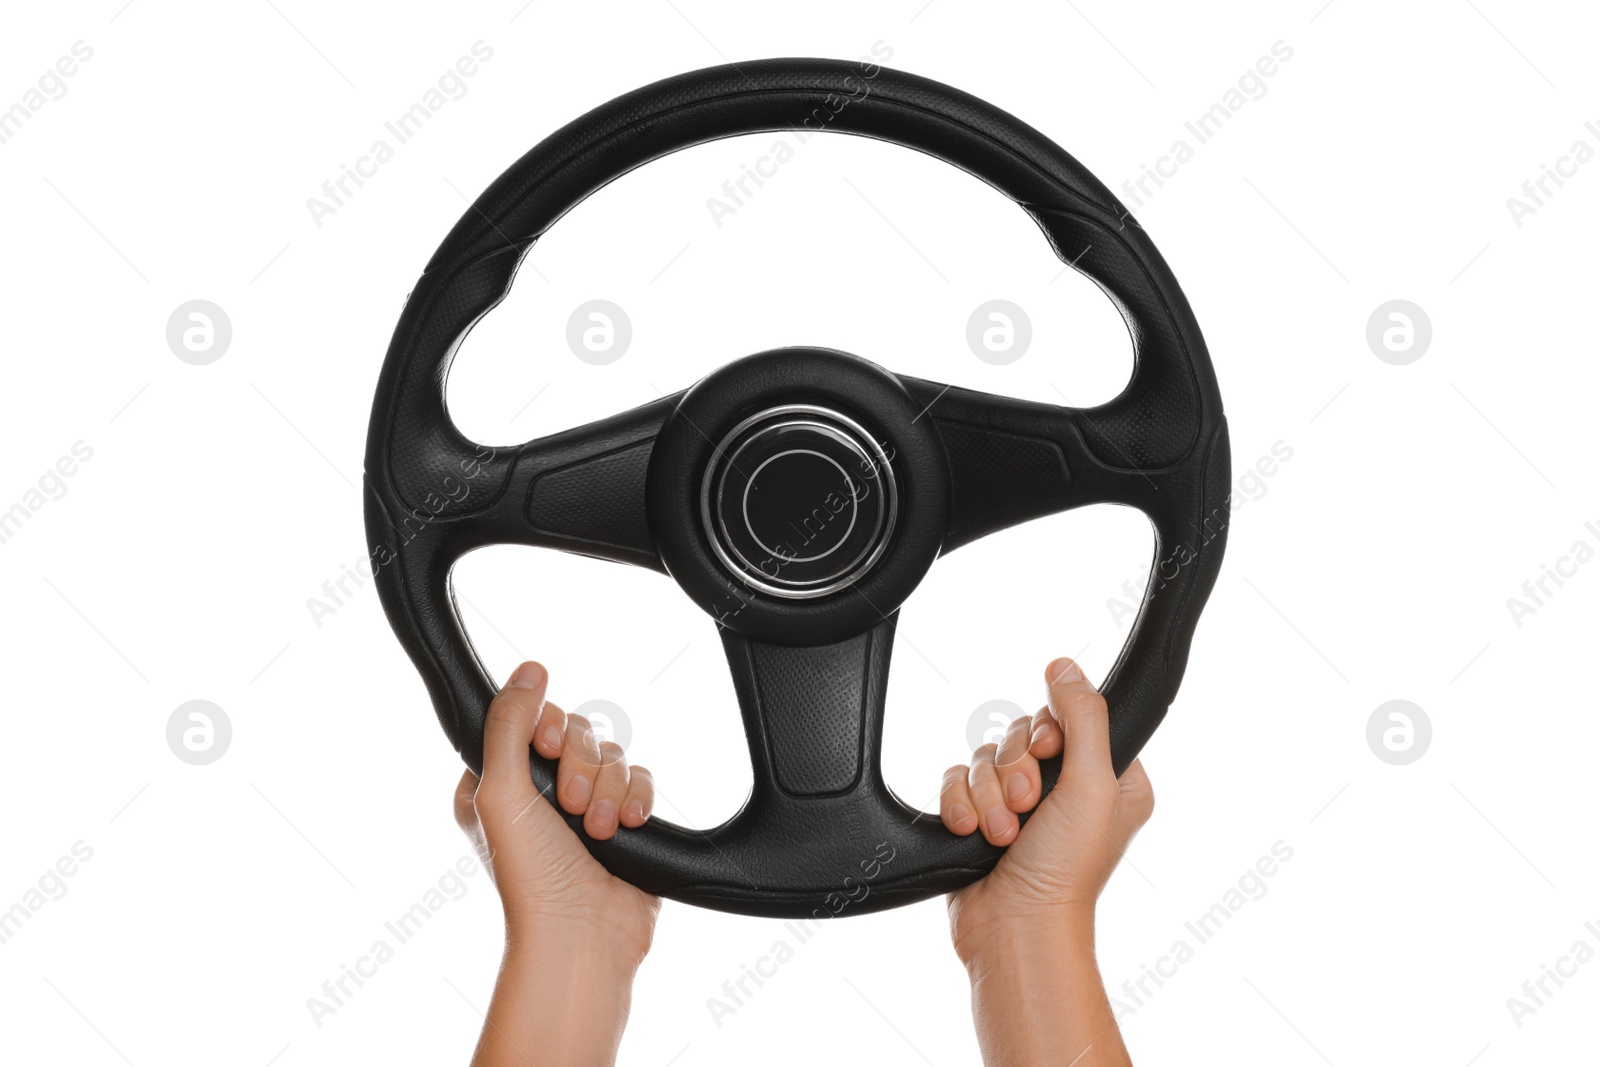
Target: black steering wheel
x,y
798,495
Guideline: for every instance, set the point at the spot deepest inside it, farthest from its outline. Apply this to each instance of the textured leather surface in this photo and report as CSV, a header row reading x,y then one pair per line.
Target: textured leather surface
x,y
810,705
998,479
821,834
595,499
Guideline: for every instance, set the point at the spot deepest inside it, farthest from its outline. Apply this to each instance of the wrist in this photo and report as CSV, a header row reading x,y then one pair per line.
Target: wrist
x,y
1037,992
567,977
561,992
561,946
985,937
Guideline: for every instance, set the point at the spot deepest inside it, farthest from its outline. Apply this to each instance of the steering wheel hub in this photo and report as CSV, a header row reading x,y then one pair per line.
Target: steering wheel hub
x,y
798,501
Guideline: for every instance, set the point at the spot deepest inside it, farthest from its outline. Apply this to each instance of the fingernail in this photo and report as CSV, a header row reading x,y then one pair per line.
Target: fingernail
x,y
605,815
1016,787
1065,670
997,822
635,810
578,789
527,676
959,815
552,738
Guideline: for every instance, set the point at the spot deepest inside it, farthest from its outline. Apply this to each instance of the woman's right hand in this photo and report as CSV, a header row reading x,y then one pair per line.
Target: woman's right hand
x,y
1055,867
1026,930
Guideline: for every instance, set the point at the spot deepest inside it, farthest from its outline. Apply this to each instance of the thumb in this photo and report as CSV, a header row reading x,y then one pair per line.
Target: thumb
x,y
507,736
1080,709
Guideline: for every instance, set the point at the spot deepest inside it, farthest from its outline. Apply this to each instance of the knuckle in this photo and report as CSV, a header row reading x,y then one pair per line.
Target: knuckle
x,y
551,716
1084,701
508,704
585,731
1010,756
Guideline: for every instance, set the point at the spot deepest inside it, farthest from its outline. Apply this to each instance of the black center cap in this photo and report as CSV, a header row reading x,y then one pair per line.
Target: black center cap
x,y
798,501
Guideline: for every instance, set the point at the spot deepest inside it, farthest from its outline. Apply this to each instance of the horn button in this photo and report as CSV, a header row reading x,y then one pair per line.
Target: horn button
x,y
798,501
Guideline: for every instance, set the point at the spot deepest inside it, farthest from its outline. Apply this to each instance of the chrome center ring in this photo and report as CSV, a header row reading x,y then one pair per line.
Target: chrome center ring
x,y
798,501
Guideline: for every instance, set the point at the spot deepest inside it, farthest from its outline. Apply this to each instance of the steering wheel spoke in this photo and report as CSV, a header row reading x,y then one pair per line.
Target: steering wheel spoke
x,y
1015,460
580,490
813,714
583,490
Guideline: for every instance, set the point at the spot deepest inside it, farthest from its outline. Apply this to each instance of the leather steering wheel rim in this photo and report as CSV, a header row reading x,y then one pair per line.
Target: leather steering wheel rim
x,y
821,833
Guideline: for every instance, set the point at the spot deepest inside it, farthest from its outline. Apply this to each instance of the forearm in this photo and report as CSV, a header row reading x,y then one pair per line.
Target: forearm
x,y
1037,997
557,1001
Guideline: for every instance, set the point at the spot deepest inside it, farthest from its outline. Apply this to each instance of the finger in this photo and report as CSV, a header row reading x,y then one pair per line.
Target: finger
x,y
580,764
641,797
610,786
550,730
1081,711
955,803
983,782
1018,771
508,731
1046,739
466,815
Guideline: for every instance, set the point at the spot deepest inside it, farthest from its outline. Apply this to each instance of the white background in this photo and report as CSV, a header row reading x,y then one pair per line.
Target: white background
x,y
1375,564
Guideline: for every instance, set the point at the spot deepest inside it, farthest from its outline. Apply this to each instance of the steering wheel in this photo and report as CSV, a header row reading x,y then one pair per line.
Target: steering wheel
x,y
798,495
